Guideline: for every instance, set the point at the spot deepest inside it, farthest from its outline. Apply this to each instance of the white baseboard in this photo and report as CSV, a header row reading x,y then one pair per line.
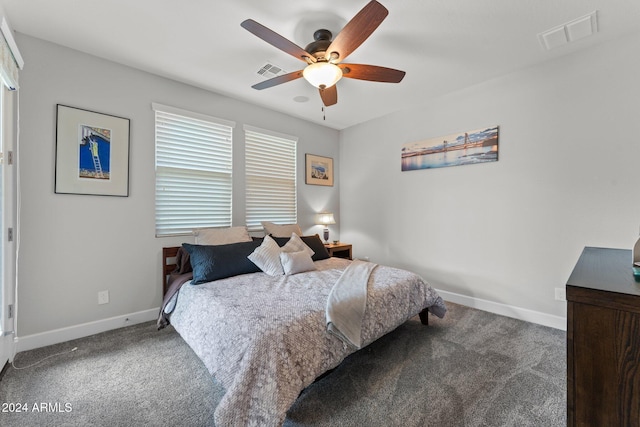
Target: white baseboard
x,y
29,342
557,322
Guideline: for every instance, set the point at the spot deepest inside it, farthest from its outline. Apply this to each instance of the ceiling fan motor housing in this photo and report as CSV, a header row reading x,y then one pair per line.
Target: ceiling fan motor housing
x,y
322,41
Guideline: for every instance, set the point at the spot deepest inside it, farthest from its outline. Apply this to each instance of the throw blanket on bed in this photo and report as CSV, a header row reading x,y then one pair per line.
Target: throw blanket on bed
x,y
178,277
347,302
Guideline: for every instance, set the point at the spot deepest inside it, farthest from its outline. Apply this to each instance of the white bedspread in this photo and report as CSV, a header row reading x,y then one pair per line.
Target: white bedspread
x,y
264,338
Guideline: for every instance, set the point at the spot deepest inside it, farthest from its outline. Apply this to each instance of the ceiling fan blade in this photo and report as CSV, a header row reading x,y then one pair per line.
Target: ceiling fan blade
x,y
356,31
277,40
372,73
278,80
329,96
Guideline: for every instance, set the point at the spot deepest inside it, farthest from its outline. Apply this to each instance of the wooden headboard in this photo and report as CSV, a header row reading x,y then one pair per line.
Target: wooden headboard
x,y
168,264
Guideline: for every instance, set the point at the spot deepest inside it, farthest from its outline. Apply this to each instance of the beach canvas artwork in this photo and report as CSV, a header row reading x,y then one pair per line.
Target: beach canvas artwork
x,y
464,148
94,160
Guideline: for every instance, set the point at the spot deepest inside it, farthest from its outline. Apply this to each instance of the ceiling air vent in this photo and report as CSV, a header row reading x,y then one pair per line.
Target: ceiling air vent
x,y
270,70
571,31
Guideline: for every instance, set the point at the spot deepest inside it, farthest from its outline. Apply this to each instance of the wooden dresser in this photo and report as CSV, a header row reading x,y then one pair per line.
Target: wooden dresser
x,y
603,340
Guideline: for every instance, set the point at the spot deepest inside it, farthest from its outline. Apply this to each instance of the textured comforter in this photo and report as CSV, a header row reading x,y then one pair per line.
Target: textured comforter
x,y
265,339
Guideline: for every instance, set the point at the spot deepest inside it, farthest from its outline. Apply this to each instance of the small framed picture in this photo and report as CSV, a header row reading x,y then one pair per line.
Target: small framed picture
x,y
92,153
319,170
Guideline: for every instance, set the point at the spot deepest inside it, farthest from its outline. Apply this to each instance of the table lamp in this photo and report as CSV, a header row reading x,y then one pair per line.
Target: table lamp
x,y
325,218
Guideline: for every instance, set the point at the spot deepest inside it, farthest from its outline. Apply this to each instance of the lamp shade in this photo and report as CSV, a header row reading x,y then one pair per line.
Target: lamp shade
x,y
325,218
322,74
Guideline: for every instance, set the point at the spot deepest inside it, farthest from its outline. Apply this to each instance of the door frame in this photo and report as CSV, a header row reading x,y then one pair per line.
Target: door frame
x,y
8,204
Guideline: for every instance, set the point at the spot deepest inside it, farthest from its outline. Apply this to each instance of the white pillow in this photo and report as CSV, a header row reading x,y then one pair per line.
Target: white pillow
x,y
221,235
296,262
281,230
296,244
267,257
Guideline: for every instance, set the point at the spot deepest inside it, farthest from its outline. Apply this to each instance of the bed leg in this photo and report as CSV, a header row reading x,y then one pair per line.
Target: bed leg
x,y
424,317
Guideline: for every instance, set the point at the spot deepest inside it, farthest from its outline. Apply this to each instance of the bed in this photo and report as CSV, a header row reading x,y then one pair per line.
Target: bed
x,y
265,337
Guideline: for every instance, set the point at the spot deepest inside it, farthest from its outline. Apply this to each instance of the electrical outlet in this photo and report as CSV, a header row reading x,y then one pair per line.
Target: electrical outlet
x,y
561,294
103,297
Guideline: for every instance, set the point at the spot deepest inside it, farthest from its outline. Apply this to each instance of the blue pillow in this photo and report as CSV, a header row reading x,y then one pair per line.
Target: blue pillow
x,y
211,263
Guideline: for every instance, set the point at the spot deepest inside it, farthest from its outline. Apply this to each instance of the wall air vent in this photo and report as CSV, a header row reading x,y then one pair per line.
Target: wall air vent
x,y
270,70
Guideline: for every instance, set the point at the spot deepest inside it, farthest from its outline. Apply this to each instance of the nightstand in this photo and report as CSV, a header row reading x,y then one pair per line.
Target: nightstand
x,y
340,250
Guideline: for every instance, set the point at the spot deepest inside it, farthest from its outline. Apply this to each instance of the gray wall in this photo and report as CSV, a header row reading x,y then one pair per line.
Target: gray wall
x,y
73,246
508,232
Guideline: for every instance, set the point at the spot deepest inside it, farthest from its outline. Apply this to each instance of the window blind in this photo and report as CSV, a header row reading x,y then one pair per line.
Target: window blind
x,y
193,171
270,169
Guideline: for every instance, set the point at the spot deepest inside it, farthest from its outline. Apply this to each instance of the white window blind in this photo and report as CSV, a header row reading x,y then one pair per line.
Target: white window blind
x,y
193,171
270,168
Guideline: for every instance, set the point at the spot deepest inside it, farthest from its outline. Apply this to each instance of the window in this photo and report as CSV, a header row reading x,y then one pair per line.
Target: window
x,y
270,168
193,171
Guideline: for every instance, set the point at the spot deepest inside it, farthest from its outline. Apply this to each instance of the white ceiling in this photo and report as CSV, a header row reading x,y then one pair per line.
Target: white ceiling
x,y
442,45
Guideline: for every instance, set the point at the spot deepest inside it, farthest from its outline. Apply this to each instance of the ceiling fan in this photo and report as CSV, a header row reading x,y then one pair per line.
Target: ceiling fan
x,y
324,56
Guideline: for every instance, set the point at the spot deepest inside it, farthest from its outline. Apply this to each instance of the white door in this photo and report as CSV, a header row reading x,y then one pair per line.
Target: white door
x,y
7,215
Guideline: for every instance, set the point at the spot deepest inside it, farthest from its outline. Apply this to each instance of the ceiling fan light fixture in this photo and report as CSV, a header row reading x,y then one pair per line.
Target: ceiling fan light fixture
x,y
322,74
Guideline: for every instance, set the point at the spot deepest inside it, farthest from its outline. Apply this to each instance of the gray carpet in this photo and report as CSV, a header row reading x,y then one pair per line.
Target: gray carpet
x,y
471,368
